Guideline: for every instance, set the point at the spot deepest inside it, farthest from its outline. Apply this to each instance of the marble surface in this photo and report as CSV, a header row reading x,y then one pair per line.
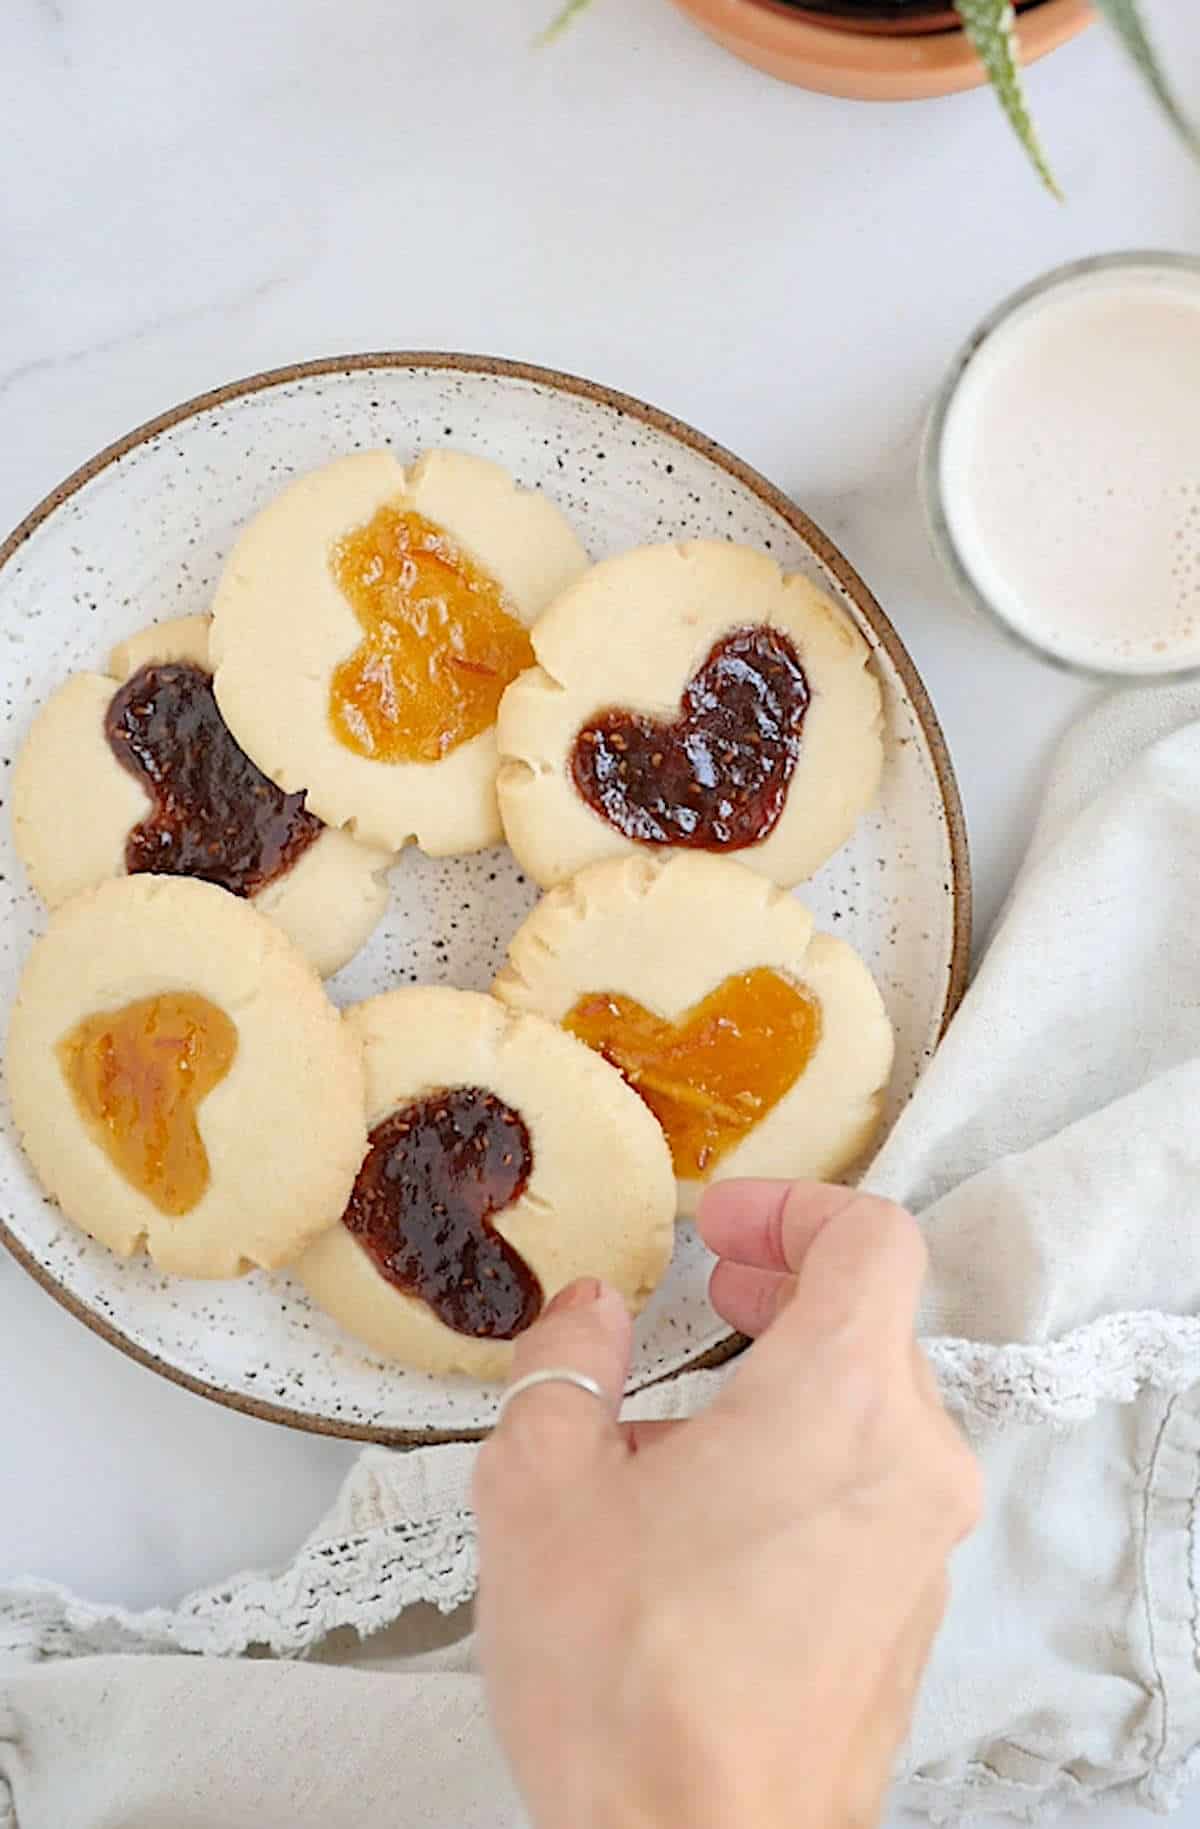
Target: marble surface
x,y
196,193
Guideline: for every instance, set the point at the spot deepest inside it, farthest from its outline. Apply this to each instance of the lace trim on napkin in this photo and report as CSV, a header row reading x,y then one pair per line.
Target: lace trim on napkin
x,y
1060,1382
364,1581
1063,1381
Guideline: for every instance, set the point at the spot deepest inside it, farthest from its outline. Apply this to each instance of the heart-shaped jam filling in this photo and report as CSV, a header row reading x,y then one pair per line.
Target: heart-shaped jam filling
x,y
435,1174
716,778
439,643
138,1077
215,815
711,1075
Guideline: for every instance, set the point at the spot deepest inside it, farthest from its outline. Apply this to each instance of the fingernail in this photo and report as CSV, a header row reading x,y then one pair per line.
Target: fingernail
x,y
576,1295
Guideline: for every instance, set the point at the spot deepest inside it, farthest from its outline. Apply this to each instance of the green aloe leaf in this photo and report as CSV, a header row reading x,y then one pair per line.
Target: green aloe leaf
x,y
1123,16
991,27
562,20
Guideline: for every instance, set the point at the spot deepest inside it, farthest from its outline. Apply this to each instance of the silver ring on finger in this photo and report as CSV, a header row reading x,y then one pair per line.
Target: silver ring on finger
x,y
552,1375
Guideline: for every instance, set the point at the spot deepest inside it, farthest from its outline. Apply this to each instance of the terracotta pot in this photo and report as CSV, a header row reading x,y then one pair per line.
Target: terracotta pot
x,y
871,66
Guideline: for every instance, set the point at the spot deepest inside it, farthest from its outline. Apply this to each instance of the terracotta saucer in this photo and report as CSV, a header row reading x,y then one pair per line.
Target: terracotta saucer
x,y
870,66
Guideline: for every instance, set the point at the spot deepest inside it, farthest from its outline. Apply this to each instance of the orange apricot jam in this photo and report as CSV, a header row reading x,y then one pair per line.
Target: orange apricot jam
x,y
439,642
138,1076
711,1075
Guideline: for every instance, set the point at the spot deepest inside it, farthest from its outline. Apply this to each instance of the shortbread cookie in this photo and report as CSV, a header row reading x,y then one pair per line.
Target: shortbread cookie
x,y
135,770
689,697
367,623
180,1079
505,1161
762,1047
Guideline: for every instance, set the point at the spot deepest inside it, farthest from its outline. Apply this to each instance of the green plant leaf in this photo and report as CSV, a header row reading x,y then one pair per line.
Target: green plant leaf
x,y
990,25
1126,22
562,20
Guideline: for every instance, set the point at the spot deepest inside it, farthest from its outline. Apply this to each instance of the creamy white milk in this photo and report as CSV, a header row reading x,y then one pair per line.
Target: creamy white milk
x,y
1070,469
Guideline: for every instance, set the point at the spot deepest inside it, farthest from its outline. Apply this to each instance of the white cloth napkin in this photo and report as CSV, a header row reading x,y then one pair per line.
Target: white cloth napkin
x,y
1053,1151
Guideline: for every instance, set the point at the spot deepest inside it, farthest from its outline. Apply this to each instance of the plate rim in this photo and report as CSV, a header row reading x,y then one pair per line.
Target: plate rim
x,y
818,542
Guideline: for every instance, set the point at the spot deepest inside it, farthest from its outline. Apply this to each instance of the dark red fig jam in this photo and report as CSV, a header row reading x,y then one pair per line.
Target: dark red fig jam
x,y
434,1175
215,815
716,778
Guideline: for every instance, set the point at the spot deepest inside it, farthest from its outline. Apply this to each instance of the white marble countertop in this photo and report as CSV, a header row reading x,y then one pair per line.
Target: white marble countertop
x,y
194,193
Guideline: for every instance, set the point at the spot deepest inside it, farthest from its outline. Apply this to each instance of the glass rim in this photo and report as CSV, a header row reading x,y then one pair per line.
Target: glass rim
x,y
937,519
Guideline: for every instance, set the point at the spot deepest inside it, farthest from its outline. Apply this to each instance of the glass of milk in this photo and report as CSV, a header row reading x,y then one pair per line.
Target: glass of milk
x,y
1062,465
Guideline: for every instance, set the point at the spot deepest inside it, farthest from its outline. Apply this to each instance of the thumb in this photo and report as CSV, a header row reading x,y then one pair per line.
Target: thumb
x,y
554,1427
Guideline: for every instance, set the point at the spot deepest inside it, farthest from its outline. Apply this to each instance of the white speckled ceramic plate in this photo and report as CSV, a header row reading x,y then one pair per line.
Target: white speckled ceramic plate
x,y
140,534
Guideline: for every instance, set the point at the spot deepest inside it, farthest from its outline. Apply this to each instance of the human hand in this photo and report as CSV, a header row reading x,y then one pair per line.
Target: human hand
x,y
722,1622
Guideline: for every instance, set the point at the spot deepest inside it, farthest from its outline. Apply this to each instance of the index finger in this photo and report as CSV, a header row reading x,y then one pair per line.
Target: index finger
x,y
859,1283
768,1225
